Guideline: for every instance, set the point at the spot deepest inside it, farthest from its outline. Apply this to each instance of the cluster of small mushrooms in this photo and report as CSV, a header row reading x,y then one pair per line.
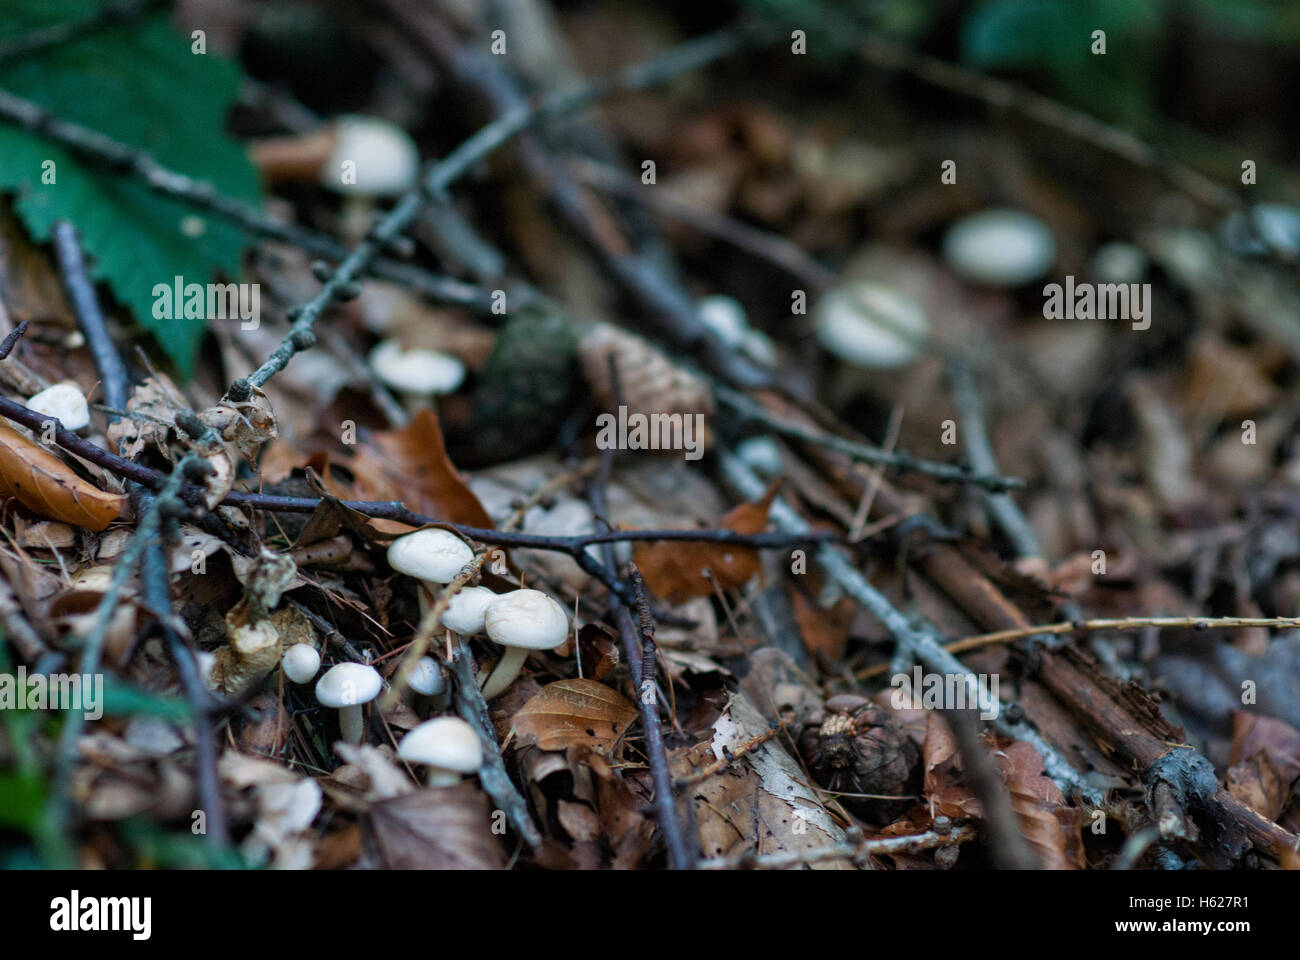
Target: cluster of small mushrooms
x,y
520,621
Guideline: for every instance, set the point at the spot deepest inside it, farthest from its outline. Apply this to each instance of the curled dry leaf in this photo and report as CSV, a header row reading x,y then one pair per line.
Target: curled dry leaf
x,y
1053,828
46,485
675,570
248,424
154,402
574,711
945,792
411,465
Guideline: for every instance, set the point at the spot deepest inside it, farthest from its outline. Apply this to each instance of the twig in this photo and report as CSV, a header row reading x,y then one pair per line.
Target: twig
x,y
11,341
111,14
1006,514
155,573
730,756
97,148
85,305
1008,848
1091,626
899,461
847,850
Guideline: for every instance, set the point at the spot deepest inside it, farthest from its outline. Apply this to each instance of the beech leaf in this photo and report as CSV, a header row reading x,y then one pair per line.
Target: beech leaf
x,y
574,711
46,485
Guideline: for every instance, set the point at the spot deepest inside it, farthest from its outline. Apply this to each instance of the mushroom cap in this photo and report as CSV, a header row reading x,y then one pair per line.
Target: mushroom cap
x,y
446,742
387,161
348,685
871,325
432,554
464,615
725,316
526,618
1000,248
64,402
427,678
416,371
301,661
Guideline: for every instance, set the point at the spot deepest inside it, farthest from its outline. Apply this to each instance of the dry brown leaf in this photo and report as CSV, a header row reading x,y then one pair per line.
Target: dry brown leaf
x,y
675,569
1053,828
247,424
1257,782
1281,741
445,828
46,485
156,401
411,465
574,711
945,796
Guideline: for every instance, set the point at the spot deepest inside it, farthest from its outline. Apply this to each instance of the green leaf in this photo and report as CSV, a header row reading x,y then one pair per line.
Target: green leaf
x,y
141,84
22,798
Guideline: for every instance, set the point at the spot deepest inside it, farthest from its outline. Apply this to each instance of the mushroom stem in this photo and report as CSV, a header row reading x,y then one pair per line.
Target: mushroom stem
x,y
351,723
507,668
442,777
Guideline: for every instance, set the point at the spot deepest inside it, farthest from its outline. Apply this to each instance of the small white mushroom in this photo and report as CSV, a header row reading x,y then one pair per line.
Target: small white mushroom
x,y
433,556
725,316
520,621
448,746
1119,262
64,402
464,614
871,325
426,678
301,662
371,158
1000,248
418,372
762,455
347,687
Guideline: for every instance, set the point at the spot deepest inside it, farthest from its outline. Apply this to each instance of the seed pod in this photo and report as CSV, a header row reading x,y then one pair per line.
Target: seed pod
x,y
856,746
648,381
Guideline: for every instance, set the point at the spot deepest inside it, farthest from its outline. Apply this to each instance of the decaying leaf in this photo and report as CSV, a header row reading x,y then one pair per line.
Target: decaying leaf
x,y
1053,828
46,485
675,570
411,465
443,828
945,793
254,647
248,424
574,711
154,402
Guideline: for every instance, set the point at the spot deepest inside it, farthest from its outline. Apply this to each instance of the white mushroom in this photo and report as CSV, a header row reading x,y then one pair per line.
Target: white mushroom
x,y
520,621
371,158
65,403
433,556
416,373
426,678
871,325
1000,248
464,614
448,746
725,316
348,686
301,662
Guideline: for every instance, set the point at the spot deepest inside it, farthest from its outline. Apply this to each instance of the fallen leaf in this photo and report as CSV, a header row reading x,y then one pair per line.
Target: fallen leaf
x,y
46,485
1053,828
443,828
674,569
574,711
1257,783
945,795
411,465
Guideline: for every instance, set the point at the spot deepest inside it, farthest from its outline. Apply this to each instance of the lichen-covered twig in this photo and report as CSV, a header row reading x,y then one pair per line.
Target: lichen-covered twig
x,y
848,850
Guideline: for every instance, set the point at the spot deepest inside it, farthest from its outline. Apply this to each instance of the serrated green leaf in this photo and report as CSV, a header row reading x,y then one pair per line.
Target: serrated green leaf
x,y
141,84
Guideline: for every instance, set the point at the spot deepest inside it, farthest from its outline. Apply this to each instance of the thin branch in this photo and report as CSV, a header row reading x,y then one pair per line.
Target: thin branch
x,y
899,461
979,450
97,148
85,305
848,850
